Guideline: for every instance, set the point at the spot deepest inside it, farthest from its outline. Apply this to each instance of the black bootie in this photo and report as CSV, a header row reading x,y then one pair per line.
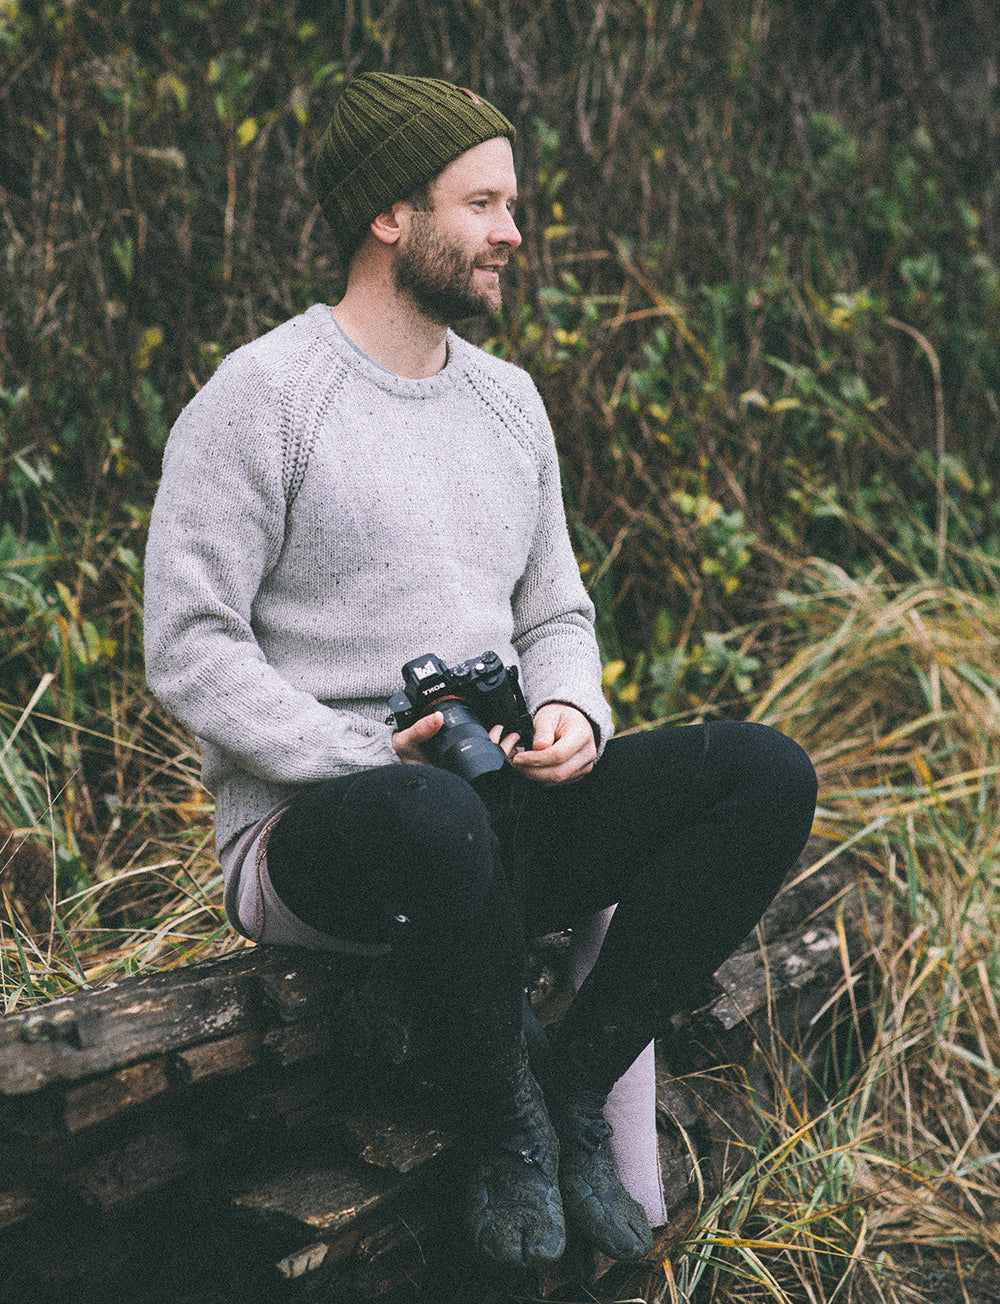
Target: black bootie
x,y
514,1213
591,1055
598,1208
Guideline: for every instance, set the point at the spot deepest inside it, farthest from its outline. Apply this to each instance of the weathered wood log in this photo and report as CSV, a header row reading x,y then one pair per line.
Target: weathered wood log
x,y
286,1091
267,992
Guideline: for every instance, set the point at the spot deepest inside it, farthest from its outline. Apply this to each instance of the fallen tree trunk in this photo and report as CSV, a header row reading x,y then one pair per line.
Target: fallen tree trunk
x,y
276,1107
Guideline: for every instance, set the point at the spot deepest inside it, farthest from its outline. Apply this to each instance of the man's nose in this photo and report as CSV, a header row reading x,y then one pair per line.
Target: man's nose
x,y
506,232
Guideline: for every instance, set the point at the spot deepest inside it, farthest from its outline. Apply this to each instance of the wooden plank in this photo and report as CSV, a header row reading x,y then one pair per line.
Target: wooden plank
x,y
215,1059
324,1199
91,1032
306,1039
100,1099
302,1261
133,1168
386,1143
258,1066
752,979
301,1097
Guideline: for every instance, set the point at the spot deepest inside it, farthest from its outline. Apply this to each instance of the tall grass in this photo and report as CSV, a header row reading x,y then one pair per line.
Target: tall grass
x,y
96,884
888,1169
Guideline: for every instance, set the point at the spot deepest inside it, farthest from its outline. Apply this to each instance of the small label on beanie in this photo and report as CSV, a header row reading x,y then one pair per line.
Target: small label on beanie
x,y
474,98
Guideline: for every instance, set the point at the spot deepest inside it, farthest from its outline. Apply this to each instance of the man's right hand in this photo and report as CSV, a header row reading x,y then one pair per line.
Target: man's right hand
x,y
407,743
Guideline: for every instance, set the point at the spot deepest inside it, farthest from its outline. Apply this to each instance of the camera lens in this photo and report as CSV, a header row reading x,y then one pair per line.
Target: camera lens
x,y
463,746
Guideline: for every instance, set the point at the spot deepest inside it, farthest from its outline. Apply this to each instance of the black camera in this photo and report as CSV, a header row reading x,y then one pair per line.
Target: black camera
x,y
472,697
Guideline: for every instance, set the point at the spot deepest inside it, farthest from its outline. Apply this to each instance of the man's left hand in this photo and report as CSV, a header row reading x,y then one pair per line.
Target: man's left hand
x,y
563,749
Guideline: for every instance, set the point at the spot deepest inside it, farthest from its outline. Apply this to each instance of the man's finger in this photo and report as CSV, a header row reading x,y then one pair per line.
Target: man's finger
x,y
507,743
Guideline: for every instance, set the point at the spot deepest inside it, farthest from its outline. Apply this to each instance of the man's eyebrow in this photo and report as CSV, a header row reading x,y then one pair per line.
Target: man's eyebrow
x,y
492,192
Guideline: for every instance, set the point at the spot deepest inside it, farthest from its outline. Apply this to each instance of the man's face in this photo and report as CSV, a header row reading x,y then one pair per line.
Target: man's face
x,y
449,259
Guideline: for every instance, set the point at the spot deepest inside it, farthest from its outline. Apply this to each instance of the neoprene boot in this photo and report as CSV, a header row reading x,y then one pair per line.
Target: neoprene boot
x,y
598,1208
514,1213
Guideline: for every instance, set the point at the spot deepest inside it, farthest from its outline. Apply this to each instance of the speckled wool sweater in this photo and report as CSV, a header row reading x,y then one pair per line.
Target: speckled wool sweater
x,y
319,522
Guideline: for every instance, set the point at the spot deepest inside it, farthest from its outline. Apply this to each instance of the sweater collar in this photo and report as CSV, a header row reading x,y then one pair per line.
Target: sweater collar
x,y
321,317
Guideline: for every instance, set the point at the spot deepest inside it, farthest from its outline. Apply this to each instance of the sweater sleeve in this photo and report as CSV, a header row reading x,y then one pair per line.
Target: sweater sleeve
x,y
217,529
554,616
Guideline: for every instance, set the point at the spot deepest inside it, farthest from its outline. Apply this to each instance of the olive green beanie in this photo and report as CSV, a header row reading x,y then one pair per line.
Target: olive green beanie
x,y
388,137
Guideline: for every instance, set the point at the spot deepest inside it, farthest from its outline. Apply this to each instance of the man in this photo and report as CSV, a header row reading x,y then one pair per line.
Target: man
x,y
361,486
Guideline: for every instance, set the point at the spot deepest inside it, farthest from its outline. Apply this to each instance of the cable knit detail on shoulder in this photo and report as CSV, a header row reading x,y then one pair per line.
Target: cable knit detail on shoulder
x,y
300,377
308,413
504,406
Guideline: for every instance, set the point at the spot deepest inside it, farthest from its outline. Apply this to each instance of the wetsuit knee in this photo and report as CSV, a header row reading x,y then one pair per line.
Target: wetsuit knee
x,y
431,837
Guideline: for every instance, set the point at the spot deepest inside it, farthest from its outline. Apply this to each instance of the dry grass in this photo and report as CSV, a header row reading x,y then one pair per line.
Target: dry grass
x,y
896,1162
150,893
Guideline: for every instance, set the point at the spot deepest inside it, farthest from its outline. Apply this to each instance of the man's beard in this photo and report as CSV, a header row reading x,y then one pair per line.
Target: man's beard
x,y
438,276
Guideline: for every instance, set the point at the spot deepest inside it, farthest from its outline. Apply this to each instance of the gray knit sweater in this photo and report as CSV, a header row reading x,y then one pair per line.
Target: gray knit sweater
x,y
319,522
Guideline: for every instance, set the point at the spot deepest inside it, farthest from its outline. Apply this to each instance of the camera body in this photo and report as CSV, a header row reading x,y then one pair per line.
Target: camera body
x,y
473,697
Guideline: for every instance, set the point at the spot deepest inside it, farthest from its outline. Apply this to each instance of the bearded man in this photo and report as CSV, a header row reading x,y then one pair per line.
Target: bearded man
x,y
361,486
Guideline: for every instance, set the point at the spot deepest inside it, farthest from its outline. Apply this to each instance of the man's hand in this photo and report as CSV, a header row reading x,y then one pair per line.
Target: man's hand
x,y
563,750
408,743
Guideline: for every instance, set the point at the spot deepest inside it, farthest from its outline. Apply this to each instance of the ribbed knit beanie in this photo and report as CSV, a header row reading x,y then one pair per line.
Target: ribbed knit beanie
x,y
389,136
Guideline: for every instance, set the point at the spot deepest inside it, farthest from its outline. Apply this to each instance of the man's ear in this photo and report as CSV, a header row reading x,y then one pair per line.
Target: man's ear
x,y
389,226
